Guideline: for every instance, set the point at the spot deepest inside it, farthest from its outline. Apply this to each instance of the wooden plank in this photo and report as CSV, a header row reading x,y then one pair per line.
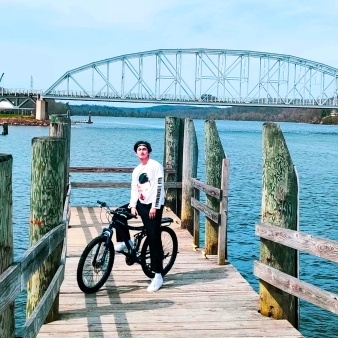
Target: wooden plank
x,y
14,279
313,245
10,282
196,221
183,332
202,317
198,298
67,208
167,185
100,184
206,210
66,218
229,326
223,210
38,316
296,287
170,170
208,189
37,253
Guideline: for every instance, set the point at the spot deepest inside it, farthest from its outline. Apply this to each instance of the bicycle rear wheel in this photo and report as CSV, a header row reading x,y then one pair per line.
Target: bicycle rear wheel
x,y
170,246
95,264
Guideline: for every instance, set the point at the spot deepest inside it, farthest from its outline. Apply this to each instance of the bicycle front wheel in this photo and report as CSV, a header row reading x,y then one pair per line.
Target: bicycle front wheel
x,y
95,264
170,246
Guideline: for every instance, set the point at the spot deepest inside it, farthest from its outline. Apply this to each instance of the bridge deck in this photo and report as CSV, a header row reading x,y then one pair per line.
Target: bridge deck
x,y
199,298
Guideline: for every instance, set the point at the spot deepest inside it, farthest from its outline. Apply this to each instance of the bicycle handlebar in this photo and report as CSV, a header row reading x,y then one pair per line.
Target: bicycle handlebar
x,y
121,212
102,204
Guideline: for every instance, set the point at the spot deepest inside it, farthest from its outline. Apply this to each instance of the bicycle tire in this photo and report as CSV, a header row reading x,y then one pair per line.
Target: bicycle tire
x,y
170,246
90,278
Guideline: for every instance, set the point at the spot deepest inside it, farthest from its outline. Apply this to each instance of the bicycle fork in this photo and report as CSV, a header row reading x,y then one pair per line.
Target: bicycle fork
x,y
108,233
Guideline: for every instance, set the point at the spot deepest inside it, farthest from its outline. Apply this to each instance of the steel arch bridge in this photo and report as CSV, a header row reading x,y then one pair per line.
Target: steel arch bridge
x,y
202,77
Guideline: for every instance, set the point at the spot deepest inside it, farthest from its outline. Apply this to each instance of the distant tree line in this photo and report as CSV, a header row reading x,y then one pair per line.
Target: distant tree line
x,y
238,113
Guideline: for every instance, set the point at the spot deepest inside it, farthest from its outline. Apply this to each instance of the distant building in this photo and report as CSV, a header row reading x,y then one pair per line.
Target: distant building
x,y
5,105
334,113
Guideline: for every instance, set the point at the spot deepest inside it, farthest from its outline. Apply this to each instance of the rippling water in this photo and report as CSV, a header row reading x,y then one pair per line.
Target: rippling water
x,y
109,142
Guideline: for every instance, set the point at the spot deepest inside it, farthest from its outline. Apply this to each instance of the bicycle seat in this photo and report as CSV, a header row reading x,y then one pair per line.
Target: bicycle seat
x,y
166,220
141,227
137,228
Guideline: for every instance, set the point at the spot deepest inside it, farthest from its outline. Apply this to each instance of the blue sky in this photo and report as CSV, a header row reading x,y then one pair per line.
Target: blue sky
x,y
45,39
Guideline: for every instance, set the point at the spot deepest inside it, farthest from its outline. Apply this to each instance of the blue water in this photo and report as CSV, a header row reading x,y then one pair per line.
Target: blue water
x,y
109,142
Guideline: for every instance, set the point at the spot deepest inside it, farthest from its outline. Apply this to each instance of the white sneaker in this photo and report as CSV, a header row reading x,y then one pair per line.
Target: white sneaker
x,y
121,246
155,284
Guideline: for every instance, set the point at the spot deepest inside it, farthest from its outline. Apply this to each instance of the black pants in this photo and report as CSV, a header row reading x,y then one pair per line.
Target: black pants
x,y
153,229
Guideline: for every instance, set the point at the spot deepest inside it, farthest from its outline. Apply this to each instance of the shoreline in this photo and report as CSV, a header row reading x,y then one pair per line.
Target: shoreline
x,y
24,121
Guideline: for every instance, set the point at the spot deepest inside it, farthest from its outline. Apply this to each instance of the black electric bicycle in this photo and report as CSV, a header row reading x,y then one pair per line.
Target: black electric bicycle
x,y
97,259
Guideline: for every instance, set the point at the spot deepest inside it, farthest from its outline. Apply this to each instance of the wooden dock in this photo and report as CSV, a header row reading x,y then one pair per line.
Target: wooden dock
x,y
198,299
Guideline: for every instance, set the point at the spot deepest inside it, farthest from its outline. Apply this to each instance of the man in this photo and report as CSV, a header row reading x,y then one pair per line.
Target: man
x,y
147,200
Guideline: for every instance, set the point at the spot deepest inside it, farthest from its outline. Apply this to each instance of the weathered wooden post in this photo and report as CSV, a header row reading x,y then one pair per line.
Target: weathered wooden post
x,y
196,220
214,155
5,128
180,166
171,158
7,325
223,210
89,118
46,208
67,134
189,170
279,208
62,128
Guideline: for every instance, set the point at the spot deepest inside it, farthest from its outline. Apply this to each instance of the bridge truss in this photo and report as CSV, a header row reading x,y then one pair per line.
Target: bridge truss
x,y
202,76
20,100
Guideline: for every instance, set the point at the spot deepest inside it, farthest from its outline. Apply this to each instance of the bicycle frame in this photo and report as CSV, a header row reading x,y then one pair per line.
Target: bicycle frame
x,y
132,250
132,255
108,232
97,259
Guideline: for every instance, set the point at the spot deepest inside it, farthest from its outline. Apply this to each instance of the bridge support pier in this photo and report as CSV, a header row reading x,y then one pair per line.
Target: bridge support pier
x,y
41,109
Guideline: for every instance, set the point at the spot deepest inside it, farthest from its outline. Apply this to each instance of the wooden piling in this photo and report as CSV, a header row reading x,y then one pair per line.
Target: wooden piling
x,y
223,210
214,155
180,166
65,119
46,208
171,159
5,128
189,170
62,128
279,208
196,220
7,325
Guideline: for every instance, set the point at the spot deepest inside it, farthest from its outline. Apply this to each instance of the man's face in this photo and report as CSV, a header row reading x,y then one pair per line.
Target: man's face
x,y
142,152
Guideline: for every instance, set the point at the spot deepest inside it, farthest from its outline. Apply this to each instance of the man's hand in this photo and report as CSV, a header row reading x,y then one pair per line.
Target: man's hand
x,y
134,211
152,213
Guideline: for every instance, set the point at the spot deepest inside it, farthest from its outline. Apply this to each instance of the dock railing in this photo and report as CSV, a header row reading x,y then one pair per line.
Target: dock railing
x,y
113,184
280,239
220,218
14,279
312,245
